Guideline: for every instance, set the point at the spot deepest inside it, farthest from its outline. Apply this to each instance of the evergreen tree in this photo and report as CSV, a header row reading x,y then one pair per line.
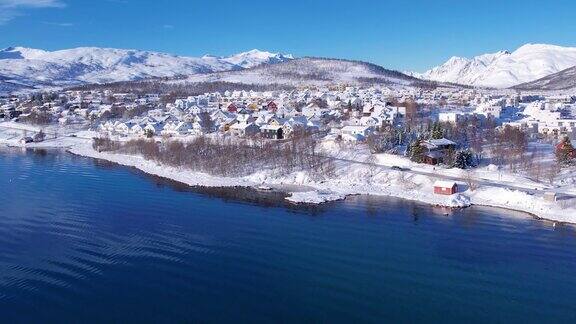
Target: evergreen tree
x,y
437,131
416,151
148,133
464,159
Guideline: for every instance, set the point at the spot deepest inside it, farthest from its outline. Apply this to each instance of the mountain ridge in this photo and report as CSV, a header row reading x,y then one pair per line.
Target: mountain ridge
x,y
34,67
504,69
313,71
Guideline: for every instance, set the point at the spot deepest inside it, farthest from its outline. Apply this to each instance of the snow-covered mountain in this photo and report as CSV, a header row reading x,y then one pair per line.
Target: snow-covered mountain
x,y
504,69
34,67
563,80
255,57
311,71
294,73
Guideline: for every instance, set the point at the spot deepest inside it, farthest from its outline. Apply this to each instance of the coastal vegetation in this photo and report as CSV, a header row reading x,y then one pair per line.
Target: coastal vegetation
x,y
228,156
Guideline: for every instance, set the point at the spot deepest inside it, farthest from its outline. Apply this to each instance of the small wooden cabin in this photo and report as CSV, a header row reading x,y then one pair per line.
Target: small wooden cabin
x,y
445,188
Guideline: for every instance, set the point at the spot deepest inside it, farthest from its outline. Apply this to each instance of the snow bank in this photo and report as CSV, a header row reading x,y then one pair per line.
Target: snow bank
x,y
523,201
188,177
458,201
315,197
353,180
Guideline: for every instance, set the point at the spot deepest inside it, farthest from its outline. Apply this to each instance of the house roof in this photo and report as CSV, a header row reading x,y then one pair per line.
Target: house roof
x,y
242,125
445,184
436,143
441,142
355,128
271,127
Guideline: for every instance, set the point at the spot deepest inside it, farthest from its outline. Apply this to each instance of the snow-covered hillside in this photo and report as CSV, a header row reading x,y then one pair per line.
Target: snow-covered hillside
x,y
310,71
563,80
33,67
255,57
504,69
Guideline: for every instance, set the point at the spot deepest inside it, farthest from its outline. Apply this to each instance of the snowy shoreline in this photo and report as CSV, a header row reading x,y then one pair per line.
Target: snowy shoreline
x,y
351,178
339,189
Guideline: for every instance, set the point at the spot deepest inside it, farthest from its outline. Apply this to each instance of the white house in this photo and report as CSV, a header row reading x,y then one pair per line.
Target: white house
x,y
244,129
356,133
357,130
176,129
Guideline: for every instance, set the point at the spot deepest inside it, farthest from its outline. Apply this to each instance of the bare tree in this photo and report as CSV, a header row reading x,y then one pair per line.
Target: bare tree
x,y
552,171
372,163
228,157
471,182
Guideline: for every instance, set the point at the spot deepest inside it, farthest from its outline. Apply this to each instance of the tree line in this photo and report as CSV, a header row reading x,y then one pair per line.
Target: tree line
x,y
226,156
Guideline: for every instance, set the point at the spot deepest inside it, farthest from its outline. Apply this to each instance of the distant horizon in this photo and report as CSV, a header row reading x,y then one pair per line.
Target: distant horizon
x,y
413,36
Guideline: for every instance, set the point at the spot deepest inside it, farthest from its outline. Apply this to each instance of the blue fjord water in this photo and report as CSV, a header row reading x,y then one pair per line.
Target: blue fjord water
x,y
85,241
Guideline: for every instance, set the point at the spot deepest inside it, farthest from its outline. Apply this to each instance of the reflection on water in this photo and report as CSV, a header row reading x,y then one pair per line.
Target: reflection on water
x,y
85,240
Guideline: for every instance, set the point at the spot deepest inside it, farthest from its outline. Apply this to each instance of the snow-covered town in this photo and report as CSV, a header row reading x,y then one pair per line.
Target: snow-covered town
x,y
287,162
446,146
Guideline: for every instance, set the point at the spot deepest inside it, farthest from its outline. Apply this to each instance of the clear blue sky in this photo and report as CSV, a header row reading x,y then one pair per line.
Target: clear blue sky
x,y
413,35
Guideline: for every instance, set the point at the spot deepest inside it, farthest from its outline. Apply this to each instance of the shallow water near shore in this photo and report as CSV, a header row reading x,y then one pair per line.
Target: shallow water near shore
x,y
86,240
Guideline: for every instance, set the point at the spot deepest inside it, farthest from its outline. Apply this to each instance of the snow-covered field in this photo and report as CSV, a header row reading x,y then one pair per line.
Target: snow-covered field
x,y
353,176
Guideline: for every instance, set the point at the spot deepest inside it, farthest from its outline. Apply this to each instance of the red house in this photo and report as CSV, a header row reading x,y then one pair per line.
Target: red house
x,y
232,107
562,146
445,187
272,106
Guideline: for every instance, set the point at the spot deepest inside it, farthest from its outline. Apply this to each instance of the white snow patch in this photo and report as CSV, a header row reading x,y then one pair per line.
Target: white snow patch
x,y
314,197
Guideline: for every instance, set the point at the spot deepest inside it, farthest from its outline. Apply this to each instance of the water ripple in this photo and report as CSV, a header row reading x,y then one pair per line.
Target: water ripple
x,y
79,241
